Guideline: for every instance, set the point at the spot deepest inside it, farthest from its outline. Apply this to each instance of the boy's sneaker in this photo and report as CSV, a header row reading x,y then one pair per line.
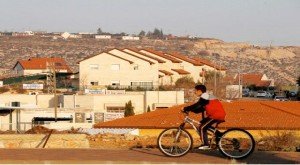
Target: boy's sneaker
x,y
204,147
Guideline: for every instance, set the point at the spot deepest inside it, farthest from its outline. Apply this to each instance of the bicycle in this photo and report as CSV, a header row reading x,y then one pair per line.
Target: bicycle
x,y
233,143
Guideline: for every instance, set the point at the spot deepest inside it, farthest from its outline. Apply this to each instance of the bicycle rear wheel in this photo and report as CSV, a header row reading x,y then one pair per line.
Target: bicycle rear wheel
x,y
236,143
174,142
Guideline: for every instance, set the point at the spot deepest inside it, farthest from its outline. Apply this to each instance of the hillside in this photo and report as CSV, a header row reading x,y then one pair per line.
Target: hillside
x,y
280,63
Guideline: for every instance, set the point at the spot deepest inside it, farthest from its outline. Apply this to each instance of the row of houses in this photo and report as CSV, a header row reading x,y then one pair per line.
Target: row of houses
x,y
128,67
141,67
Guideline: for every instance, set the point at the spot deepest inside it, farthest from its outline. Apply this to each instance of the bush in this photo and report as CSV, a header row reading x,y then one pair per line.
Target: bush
x,y
185,82
281,141
3,90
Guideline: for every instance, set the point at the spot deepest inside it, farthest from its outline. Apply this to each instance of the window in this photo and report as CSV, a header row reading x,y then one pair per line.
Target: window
x,y
115,67
116,83
146,85
94,83
98,117
115,109
136,67
94,66
79,117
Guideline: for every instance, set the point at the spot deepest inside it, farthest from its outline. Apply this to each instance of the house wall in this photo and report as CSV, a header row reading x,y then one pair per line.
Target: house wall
x,y
105,75
144,67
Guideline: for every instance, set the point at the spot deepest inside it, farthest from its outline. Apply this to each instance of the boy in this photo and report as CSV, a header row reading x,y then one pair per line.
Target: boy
x,y
214,113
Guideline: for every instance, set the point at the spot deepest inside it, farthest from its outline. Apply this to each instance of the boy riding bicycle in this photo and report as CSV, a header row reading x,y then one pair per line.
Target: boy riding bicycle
x,y
214,113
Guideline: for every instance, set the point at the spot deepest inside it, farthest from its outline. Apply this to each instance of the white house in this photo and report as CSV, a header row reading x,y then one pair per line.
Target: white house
x,y
144,67
105,37
132,38
40,66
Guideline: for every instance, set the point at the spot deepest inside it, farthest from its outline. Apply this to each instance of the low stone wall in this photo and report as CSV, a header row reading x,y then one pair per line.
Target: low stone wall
x,y
38,140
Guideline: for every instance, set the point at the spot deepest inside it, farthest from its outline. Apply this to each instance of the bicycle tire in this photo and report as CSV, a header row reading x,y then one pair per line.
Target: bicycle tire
x,y
222,150
164,151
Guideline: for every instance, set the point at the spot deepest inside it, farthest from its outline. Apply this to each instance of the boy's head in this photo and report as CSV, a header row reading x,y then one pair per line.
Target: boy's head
x,y
199,89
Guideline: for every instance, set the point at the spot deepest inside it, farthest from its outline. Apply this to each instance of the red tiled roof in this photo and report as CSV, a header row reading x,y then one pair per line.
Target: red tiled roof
x,y
161,54
120,58
259,115
209,63
150,62
166,72
184,58
106,53
41,63
146,55
181,71
253,79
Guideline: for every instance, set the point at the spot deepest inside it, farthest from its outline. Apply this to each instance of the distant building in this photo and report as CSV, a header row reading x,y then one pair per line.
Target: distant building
x,y
40,66
40,32
20,34
65,35
30,33
257,79
103,36
130,38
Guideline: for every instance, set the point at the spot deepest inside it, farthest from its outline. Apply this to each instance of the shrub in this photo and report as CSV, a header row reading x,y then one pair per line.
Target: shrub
x,y
185,82
281,141
128,109
148,109
3,90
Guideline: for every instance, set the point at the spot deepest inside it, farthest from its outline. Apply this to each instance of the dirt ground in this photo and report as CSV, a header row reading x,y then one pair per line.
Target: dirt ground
x,y
135,156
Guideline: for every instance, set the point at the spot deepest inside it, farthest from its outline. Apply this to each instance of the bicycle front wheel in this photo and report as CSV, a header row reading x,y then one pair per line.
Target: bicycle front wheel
x,y
236,143
175,142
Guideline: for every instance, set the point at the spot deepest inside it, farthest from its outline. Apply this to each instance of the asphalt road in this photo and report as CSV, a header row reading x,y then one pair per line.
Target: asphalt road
x,y
134,156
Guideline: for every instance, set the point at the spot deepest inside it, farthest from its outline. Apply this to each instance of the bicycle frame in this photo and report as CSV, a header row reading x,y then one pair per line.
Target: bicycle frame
x,y
192,122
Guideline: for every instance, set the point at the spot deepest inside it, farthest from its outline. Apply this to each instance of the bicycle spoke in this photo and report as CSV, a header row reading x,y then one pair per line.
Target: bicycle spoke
x,y
236,143
174,142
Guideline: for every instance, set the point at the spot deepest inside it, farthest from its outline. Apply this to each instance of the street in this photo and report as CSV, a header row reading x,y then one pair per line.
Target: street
x,y
134,156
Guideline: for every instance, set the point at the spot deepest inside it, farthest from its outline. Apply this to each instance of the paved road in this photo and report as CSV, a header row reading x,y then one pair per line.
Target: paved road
x,y
134,156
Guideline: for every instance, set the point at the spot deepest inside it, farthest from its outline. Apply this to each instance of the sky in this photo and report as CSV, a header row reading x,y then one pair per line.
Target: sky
x,y
259,22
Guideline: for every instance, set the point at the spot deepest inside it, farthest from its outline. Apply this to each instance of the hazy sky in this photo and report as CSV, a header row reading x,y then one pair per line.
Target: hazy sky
x,y
253,21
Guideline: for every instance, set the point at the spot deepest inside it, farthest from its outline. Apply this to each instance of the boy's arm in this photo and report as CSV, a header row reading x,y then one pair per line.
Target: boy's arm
x,y
199,105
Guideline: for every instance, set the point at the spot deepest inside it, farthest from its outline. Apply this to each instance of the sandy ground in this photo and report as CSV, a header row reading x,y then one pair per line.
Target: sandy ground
x,y
134,156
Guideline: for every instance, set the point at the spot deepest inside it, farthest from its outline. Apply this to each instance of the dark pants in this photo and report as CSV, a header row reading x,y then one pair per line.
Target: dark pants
x,y
204,125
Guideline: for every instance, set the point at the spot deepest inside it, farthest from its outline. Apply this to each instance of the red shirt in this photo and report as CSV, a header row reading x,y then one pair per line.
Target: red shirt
x,y
215,110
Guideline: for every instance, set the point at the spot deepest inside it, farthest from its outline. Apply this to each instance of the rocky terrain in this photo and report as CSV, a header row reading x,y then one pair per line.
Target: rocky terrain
x,y
279,63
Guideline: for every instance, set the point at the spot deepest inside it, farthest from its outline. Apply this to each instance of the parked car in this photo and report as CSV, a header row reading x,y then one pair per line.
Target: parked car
x,y
280,98
269,95
245,94
261,94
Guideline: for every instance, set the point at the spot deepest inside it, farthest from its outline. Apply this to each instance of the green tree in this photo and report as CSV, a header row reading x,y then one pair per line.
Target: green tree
x,y
148,109
129,109
185,82
99,31
142,33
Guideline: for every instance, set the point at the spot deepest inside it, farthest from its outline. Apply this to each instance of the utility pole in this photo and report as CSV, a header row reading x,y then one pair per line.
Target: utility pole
x,y
239,72
51,82
215,76
240,62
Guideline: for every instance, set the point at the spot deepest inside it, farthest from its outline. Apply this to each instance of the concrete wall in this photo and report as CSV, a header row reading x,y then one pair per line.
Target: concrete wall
x,y
39,101
140,100
70,105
